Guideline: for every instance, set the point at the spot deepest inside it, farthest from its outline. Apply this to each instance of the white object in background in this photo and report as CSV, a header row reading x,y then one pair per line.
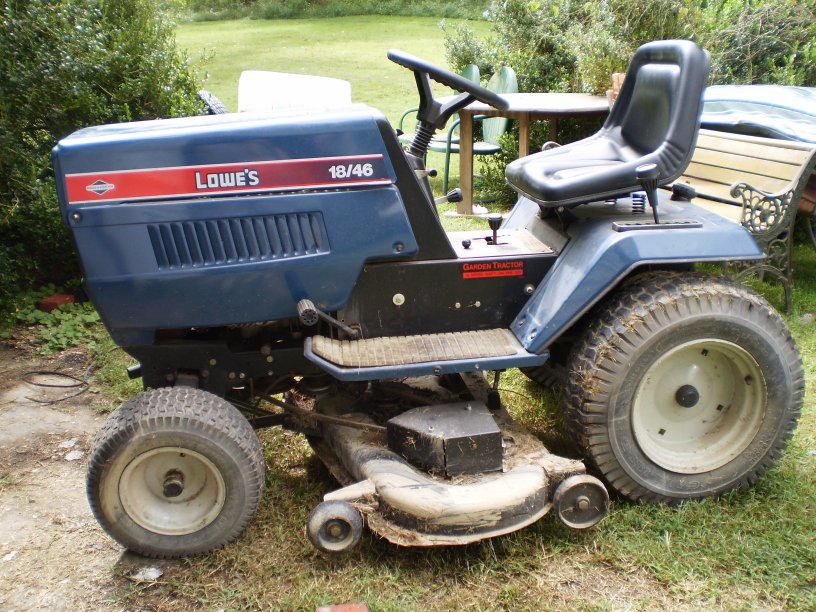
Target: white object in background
x,y
260,90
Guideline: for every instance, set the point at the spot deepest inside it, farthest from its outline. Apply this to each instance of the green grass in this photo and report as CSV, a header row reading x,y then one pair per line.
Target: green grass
x,y
350,48
749,550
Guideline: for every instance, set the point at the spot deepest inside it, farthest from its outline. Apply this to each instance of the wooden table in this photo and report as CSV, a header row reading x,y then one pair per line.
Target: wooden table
x,y
523,107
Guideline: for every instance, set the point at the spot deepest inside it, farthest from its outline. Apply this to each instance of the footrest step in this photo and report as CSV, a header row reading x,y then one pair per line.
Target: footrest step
x,y
399,350
420,355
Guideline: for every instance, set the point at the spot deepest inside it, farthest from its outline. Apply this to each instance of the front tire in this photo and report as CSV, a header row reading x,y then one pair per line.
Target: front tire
x,y
175,472
684,387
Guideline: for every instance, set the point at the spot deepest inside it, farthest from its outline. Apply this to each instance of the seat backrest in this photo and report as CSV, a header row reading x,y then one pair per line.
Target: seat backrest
x,y
653,121
502,81
658,107
261,90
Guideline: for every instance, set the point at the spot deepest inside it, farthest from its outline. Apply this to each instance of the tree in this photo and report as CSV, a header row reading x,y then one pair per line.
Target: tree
x,y
67,65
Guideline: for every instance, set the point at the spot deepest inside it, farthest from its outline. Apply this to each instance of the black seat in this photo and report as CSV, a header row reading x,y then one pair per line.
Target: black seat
x,y
654,120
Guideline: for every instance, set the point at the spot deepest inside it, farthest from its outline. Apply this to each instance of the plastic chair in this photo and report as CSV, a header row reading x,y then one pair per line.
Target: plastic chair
x,y
471,73
503,81
654,121
261,90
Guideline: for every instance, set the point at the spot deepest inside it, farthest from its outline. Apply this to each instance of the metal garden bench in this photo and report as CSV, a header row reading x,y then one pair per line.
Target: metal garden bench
x,y
757,182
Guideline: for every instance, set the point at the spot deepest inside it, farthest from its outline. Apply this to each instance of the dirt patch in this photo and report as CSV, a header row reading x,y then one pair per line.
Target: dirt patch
x,y
53,555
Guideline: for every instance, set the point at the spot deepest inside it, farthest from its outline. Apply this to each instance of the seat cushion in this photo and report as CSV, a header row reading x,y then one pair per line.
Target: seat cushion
x,y
565,175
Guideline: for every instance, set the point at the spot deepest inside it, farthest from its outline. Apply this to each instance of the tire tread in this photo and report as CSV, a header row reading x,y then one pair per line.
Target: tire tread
x,y
640,308
176,408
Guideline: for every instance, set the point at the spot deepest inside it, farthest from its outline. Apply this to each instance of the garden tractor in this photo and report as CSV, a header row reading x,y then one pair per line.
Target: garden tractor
x,y
290,269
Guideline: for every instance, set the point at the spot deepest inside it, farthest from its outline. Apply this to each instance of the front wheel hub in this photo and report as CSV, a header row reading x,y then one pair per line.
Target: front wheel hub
x,y
172,491
687,396
173,483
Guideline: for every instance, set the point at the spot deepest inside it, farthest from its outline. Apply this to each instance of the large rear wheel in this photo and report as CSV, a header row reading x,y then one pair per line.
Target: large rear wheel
x,y
685,386
175,472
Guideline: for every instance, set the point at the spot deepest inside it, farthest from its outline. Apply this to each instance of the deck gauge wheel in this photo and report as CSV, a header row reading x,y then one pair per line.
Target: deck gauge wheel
x,y
334,526
581,501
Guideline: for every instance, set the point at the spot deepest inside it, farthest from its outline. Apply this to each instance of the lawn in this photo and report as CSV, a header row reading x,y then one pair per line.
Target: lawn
x,y
749,550
350,48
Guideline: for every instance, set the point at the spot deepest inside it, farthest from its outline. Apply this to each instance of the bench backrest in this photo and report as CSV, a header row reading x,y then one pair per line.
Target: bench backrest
x,y
721,159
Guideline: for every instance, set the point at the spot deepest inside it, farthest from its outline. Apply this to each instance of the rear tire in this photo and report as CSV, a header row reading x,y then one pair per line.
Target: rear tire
x,y
175,472
684,387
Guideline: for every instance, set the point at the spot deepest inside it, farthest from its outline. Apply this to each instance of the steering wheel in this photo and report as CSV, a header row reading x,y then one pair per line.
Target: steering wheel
x,y
433,114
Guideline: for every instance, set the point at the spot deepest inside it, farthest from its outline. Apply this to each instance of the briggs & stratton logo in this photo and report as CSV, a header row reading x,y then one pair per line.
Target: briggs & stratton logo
x,y
100,187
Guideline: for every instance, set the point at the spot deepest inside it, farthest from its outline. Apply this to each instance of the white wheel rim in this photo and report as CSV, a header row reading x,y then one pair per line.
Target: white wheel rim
x,y
725,397
148,478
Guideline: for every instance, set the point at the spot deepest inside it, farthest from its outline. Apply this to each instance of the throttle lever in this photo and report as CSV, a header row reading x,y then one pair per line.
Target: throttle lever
x,y
454,195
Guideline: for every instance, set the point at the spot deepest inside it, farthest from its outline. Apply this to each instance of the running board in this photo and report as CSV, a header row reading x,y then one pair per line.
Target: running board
x,y
422,355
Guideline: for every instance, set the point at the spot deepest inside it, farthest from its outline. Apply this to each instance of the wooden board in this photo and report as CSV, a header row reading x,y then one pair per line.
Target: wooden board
x,y
720,160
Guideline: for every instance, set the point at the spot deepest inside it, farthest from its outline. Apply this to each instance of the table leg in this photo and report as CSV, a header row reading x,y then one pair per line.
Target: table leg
x,y
524,135
465,207
553,129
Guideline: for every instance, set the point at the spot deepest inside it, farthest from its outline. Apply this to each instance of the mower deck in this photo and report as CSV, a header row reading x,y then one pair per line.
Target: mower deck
x,y
413,507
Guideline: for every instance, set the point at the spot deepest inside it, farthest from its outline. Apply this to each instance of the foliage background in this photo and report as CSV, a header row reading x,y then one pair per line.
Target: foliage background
x,y
575,45
66,65
286,9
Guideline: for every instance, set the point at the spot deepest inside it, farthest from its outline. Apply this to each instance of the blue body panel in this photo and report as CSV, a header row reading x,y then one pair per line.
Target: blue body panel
x,y
597,257
217,139
232,258
132,289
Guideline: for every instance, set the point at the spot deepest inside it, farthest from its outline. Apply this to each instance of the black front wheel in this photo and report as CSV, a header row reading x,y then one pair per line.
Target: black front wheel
x,y
685,386
175,472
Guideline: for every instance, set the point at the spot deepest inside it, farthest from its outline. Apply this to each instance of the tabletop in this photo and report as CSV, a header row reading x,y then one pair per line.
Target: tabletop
x,y
546,103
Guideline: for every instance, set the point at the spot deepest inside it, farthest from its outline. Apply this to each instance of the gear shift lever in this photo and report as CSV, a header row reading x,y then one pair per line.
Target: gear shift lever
x,y
647,175
494,220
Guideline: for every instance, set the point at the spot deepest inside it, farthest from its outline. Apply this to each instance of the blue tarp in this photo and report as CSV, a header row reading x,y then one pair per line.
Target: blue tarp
x,y
775,111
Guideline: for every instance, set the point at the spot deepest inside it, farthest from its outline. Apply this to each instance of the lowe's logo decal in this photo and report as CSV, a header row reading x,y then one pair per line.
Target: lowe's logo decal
x,y
243,177
219,180
100,187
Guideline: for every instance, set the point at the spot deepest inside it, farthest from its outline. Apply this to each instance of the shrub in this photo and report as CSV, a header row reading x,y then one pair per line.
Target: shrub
x,y
287,9
67,65
575,45
773,41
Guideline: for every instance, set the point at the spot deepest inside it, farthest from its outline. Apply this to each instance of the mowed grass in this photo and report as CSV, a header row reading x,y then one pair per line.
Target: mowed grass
x,y
349,48
748,550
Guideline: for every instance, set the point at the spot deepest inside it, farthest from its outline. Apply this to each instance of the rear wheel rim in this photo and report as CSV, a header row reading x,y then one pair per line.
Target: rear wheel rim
x,y
699,406
172,491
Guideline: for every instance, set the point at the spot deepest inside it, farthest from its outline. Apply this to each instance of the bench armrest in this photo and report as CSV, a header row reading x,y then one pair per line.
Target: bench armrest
x,y
764,214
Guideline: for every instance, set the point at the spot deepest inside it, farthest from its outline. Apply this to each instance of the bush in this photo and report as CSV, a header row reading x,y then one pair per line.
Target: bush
x,y
575,45
68,65
773,41
288,9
